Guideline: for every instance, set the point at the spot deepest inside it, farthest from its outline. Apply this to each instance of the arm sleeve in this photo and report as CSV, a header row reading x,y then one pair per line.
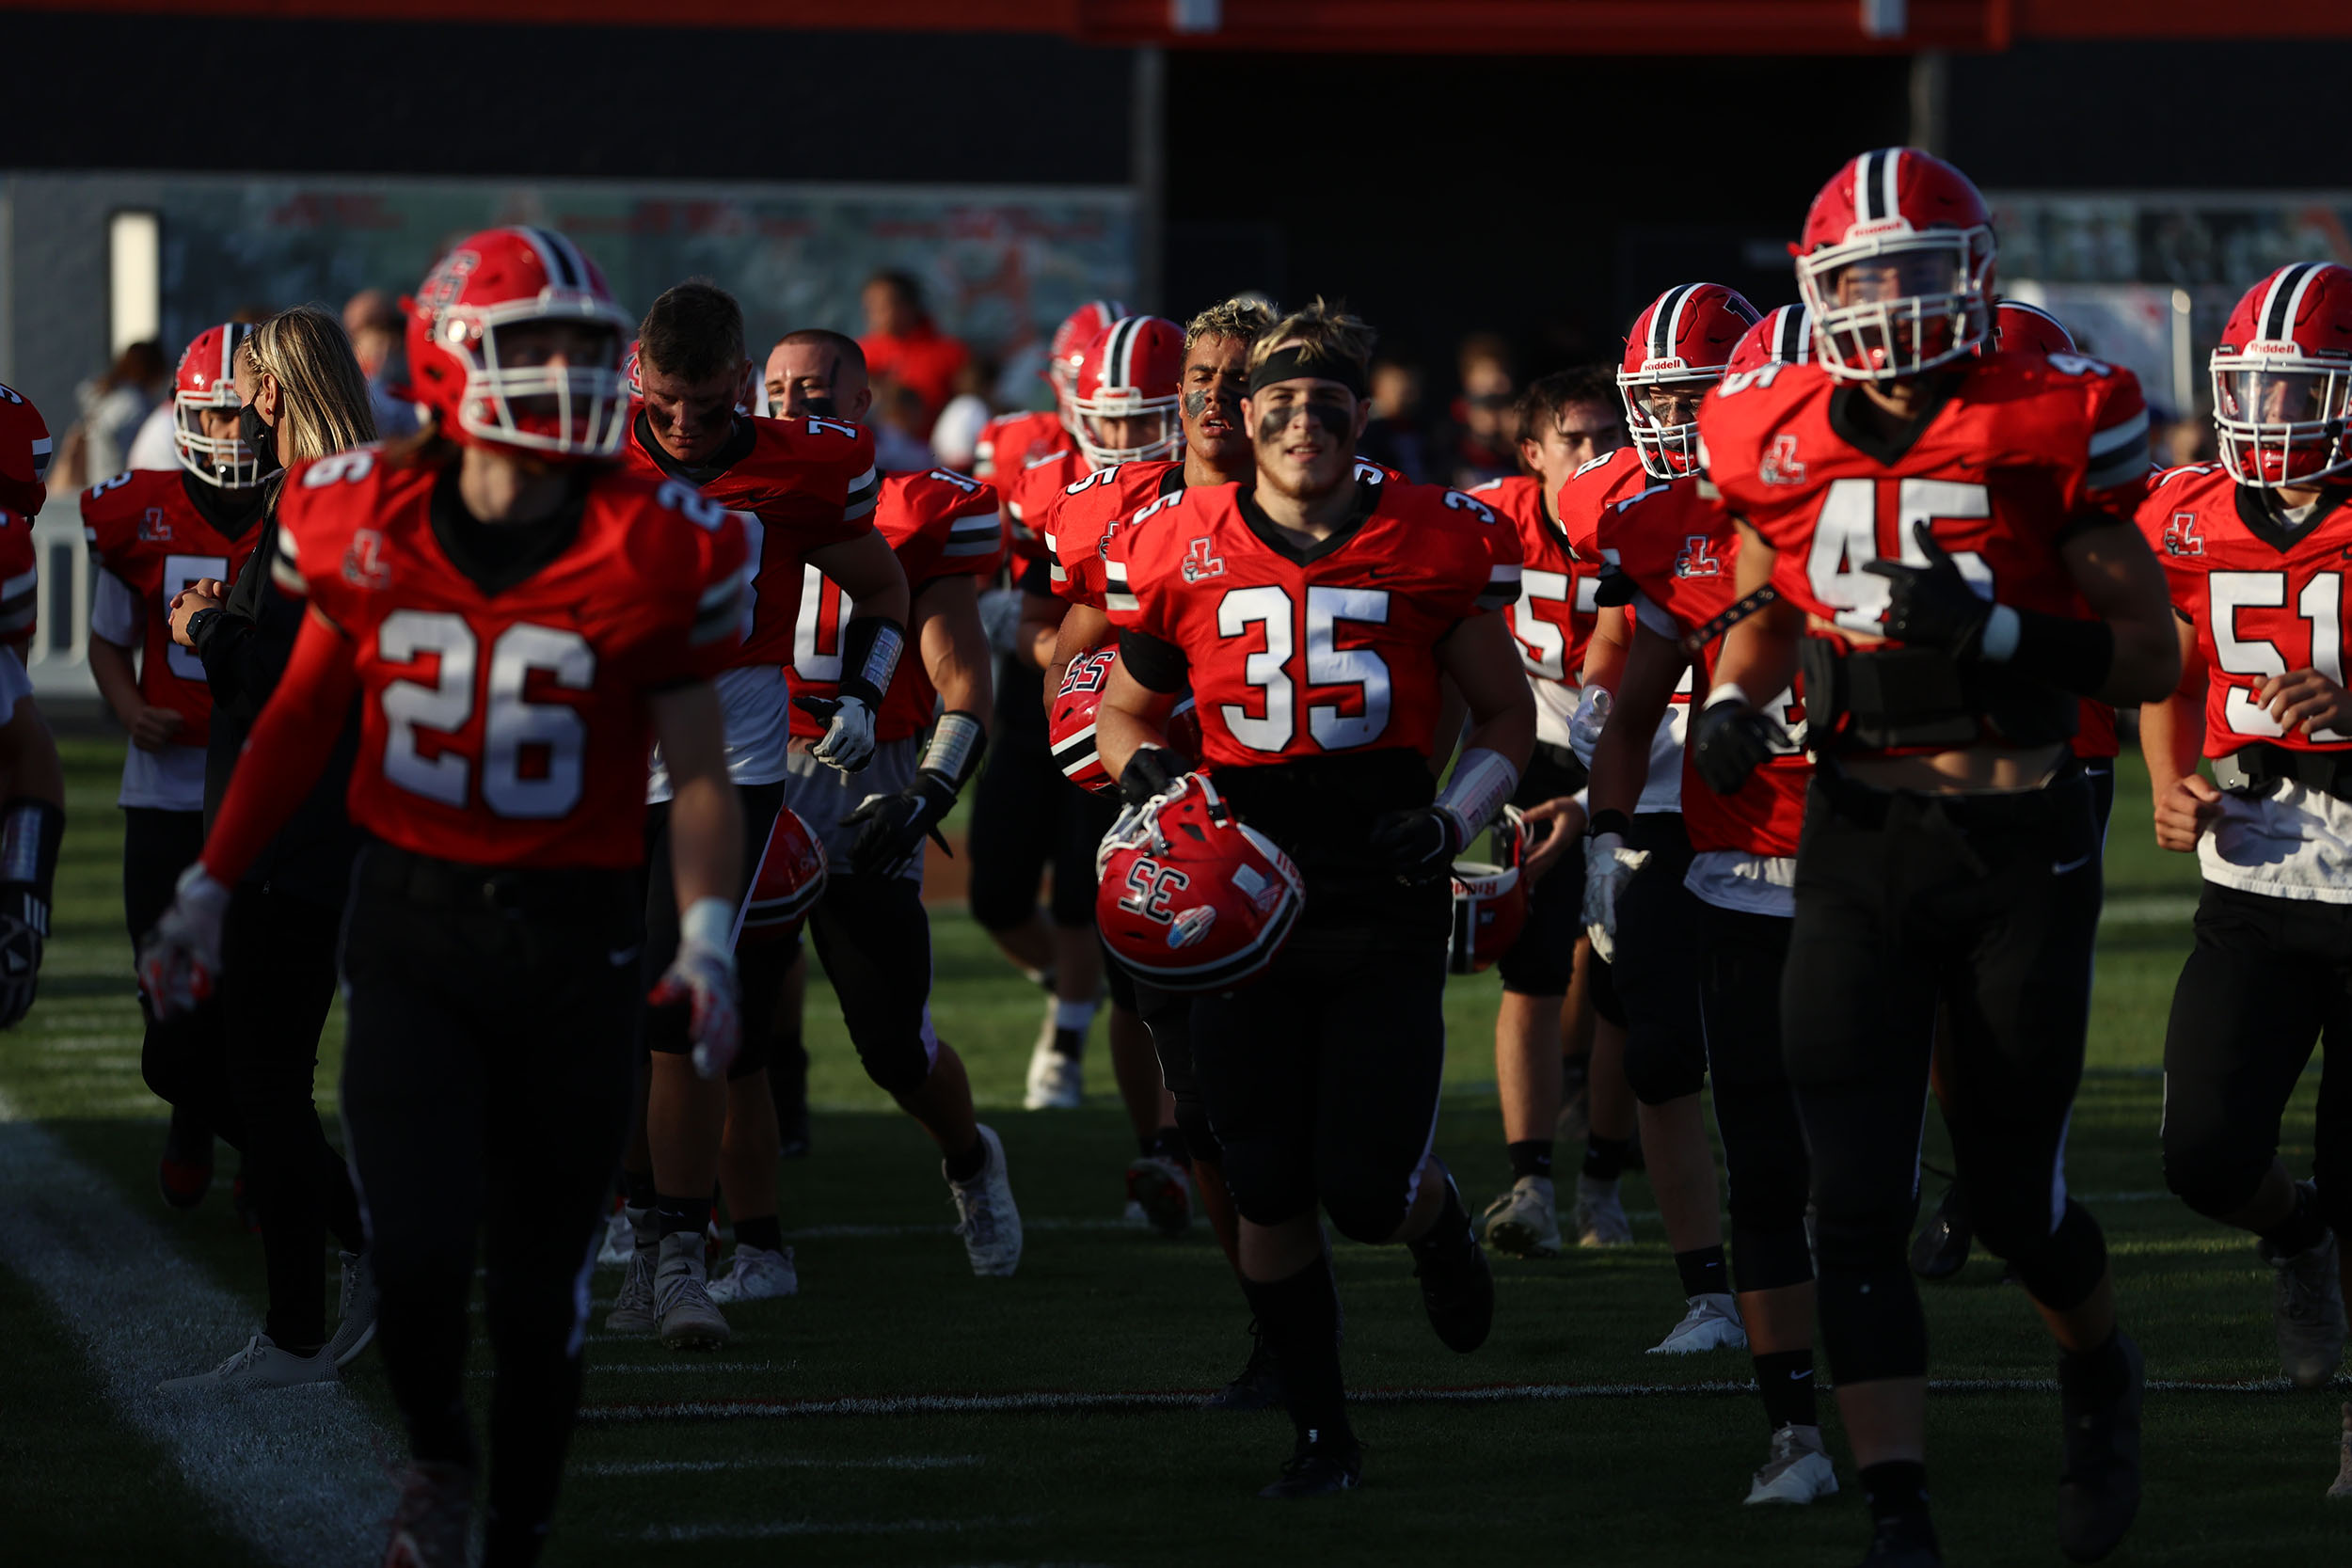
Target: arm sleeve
x,y
286,751
1153,661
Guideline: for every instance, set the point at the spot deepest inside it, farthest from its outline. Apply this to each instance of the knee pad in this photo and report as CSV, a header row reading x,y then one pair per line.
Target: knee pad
x,y
1268,1188
1367,1217
1199,1138
2058,1268
1661,1067
1768,1257
2213,1179
897,1064
1871,1325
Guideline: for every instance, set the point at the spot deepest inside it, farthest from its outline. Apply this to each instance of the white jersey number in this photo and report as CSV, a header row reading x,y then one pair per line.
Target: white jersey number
x,y
1333,727
179,571
2321,604
1845,541
551,735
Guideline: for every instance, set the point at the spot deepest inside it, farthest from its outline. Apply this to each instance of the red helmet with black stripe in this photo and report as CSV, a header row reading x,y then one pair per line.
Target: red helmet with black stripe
x,y
1490,899
24,452
2282,379
791,878
1677,349
1069,723
479,360
1130,376
1188,896
206,379
2019,325
1783,337
1896,264
1077,330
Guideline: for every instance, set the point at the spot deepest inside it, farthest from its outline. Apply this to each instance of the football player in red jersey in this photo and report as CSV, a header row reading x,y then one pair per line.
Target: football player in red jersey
x,y
1949,540
1674,355
1214,377
869,925
518,623
32,783
2255,547
1315,613
152,533
806,488
1678,549
1566,419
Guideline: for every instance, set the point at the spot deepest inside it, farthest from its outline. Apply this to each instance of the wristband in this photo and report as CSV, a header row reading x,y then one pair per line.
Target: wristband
x,y
30,831
709,923
870,646
1607,822
954,752
1482,782
1729,692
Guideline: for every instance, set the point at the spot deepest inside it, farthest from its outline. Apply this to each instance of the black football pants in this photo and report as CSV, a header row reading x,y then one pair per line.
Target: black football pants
x,y
1740,957
278,985
1651,975
1988,905
875,939
485,1097
2267,980
184,1058
1027,816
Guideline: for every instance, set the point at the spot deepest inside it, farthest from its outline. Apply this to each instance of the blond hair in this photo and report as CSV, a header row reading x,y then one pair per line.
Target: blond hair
x,y
1327,331
323,401
1242,317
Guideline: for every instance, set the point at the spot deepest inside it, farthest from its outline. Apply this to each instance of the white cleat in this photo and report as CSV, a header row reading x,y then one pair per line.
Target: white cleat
x,y
257,1369
1057,1083
1601,1214
632,1309
619,1241
758,1274
1523,1221
355,1326
985,1215
1798,1471
2307,1312
1712,1323
2342,1491
681,1296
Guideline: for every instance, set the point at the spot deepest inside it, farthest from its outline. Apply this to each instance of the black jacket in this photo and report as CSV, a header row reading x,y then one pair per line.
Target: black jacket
x,y
243,650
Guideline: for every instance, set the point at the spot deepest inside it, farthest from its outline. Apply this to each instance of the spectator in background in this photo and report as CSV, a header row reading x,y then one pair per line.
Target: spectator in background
x,y
1393,438
902,343
113,407
1486,437
375,327
956,433
2184,441
901,426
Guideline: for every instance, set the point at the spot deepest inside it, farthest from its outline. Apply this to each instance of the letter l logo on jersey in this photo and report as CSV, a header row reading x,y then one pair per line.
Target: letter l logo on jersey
x,y
1780,464
1201,564
363,561
2181,536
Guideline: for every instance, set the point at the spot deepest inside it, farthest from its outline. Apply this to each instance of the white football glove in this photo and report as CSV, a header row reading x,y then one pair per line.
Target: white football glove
x,y
703,976
1586,722
847,742
1608,866
179,964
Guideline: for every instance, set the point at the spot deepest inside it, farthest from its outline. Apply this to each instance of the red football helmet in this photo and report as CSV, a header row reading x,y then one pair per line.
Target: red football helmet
x,y
1490,901
1077,330
2019,325
1897,266
206,379
1677,349
497,394
1131,372
791,878
1190,897
2282,378
1070,723
1783,337
629,372
24,452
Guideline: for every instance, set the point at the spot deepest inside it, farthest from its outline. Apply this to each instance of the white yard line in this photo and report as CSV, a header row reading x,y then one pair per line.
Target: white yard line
x,y
307,1480
2149,909
774,1461
777,1528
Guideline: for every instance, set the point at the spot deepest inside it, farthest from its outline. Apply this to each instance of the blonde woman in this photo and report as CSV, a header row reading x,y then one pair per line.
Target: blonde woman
x,y
302,397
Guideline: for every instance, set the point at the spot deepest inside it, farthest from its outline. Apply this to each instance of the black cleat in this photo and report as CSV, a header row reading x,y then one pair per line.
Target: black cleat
x,y
1259,1385
2099,1489
1317,1471
1903,1542
1458,1290
1942,1246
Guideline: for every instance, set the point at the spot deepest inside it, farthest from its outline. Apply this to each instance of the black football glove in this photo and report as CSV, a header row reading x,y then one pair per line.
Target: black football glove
x,y
1149,772
1417,846
891,828
20,968
1932,605
1613,587
1729,741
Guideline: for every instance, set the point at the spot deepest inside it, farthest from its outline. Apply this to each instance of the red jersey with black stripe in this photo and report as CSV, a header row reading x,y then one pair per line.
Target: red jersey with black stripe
x,y
2011,453
1078,530
1010,441
1033,493
940,523
145,530
20,582
2266,594
1552,620
802,484
508,723
1298,653
1681,548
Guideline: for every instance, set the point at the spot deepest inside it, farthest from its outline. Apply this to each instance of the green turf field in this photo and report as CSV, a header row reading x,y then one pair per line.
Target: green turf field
x,y
720,1458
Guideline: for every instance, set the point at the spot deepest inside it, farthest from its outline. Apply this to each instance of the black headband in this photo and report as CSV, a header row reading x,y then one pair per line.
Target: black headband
x,y
1299,359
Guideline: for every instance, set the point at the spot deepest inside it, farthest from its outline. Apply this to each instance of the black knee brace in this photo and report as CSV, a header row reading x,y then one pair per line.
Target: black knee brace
x,y
1871,1325
2060,1269
2215,1180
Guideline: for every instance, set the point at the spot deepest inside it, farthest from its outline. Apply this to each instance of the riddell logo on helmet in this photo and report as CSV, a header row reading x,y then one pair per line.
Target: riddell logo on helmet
x,y
2271,348
1671,362
1878,226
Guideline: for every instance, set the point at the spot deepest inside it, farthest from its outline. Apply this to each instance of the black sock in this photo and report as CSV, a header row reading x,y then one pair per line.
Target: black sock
x,y
1529,1157
637,1188
689,1214
1785,1378
2099,1373
1604,1158
1450,1231
1300,1320
1897,1489
1168,1144
1703,1272
964,1166
765,1233
2302,1229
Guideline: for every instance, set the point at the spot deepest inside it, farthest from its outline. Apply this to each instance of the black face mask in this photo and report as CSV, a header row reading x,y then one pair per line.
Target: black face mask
x,y
258,437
